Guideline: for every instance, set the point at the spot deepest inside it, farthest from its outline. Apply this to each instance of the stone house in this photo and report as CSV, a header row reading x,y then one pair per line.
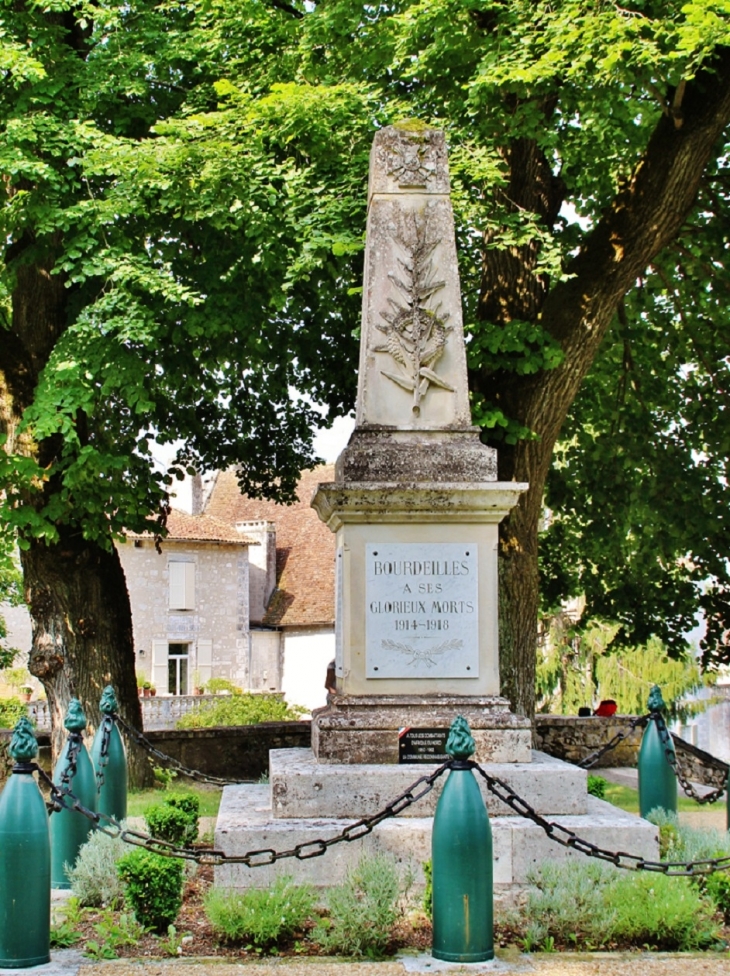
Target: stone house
x,y
242,590
190,603
292,582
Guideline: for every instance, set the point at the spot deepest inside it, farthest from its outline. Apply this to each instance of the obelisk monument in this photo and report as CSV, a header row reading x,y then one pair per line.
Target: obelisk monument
x,y
415,504
415,508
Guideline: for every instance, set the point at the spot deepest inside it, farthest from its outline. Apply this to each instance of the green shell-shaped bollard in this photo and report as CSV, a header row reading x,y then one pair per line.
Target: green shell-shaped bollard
x,y
461,851
108,701
75,720
23,744
110,761
69,828
655,702
460,743
657,780
25,861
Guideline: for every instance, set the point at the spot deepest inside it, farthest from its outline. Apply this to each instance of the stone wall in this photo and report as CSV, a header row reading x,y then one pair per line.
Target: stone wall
x,y
572,738
699,766
240,753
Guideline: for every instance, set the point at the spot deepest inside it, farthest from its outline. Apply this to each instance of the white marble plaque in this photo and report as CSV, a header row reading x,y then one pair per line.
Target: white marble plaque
x,y
421,612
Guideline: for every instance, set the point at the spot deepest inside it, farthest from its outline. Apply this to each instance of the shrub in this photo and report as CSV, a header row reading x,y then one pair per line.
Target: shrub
x,y
167,823
665,913
244,709
717,886
363,909
597,786
175,819
221,684
93,877
260,916
152,887
568,897
427,901
590,904
11,710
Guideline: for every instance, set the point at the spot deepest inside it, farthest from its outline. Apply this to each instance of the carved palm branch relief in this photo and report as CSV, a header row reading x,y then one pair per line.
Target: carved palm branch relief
x,y
415,327
427,656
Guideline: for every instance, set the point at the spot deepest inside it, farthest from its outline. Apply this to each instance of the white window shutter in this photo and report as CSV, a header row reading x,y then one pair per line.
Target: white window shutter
x,y
189,586
159,666
181,585
205,660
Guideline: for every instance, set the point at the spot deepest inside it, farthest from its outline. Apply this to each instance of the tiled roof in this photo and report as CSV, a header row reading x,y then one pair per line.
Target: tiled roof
x,y
198,528
305,548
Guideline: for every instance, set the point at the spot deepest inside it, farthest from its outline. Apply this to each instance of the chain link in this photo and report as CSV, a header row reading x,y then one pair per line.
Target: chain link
x,y
74,745
141,739
568,838
107,724
62,797
593,758
670,753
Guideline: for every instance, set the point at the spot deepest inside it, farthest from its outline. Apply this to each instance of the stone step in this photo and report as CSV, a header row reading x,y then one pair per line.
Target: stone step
x,y
246,823
302,787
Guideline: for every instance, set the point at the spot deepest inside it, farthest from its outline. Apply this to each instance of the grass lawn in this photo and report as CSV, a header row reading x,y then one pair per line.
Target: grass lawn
x,y
209,796
628,799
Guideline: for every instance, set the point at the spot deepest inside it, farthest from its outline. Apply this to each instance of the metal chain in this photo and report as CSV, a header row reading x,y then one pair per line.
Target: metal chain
x,y
671,755
63,797
141,739
107,724
593,758
74,746
568,838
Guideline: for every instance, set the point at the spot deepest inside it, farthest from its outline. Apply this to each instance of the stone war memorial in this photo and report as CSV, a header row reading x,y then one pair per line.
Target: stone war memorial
x,y
415,509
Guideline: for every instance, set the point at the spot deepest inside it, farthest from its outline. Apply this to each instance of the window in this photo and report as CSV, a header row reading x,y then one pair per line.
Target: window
x,y
181,585
177,669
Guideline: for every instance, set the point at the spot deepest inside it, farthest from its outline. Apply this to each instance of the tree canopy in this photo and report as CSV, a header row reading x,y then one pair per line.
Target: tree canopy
x,y
183,228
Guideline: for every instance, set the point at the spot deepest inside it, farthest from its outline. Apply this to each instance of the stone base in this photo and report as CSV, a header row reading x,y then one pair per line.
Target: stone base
x,y
364,728
245,823
302,787
382,454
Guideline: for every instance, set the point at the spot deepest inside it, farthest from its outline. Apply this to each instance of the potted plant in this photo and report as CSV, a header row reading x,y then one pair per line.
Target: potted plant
x,y
198,688
146,688
25,692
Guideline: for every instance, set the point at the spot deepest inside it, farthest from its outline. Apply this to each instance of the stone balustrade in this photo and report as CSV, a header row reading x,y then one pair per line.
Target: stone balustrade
x,y
158,712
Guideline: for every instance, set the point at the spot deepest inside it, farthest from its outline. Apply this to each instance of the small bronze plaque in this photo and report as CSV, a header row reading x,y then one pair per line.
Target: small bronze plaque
x,y
422,745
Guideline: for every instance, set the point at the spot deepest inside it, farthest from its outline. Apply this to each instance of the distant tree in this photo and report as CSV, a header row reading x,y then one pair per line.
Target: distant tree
x,y
134,308
578,667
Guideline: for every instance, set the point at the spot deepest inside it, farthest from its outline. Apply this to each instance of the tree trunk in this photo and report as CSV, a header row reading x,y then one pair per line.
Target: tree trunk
x,y
82,635
75,590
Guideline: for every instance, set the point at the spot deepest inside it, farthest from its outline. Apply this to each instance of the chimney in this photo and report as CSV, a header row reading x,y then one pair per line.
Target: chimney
x,y
261,566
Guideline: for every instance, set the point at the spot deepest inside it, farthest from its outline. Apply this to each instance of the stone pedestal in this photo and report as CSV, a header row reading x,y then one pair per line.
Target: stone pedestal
x,y
364,728
308,801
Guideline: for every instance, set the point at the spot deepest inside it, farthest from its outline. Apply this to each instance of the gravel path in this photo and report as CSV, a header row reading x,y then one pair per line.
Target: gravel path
x,y
506,964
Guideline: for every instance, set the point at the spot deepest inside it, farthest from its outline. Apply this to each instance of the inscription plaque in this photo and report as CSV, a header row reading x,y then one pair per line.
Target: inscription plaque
x,y
422,746
421,610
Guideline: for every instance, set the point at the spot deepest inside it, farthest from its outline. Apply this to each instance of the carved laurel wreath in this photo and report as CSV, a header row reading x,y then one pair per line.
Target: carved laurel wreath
x,y
415,331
